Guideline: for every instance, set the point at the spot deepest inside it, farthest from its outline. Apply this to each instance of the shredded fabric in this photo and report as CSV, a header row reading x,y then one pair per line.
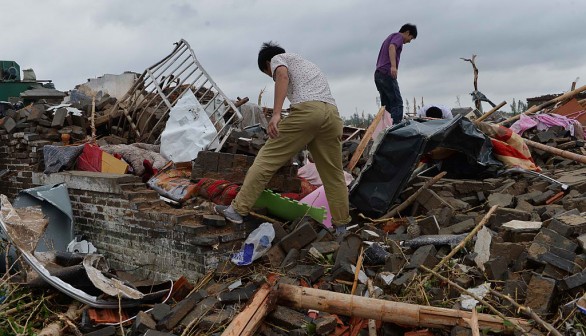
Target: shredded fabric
x,y
509,147
543,122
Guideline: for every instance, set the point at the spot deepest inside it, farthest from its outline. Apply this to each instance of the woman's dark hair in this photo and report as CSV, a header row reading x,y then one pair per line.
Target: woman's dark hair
x,y
434,112
268,50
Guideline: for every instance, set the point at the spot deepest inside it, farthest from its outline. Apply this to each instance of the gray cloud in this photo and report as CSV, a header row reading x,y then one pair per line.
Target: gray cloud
x,y
524,49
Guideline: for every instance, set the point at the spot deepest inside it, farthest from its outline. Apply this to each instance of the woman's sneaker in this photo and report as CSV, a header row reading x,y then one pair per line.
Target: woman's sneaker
x,y
229,213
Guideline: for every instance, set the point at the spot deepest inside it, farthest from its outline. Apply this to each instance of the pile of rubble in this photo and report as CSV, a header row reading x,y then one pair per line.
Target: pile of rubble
x,y
500,252
495,238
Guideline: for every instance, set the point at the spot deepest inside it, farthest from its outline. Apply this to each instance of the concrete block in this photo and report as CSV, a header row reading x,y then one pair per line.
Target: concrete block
x,y
399,283
157,333
430,200
496,269
107,331
395,263
522,226
214,220
275,256
202,308
291,259
181,309
429,226
553,272
299,238
326,247
215,320
425,255
325,325
160,311
582,241
559,262
547,241
542,198
239,295
8,124
576,280
462,227
502,200
540,294
568,225
142,323
59,117
503,215
312,273
288,318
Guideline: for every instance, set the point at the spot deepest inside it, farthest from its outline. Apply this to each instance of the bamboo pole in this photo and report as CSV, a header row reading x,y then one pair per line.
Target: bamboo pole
x,y
411,198
556,151
538,108
357,273
371,322
386,311
487,114
360,149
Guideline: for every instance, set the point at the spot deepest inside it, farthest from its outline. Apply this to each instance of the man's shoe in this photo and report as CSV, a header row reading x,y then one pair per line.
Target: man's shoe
x,y
338,231
229,213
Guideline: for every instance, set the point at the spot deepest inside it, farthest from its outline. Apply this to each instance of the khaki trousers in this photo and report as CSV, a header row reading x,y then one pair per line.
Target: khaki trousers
x,y
318,126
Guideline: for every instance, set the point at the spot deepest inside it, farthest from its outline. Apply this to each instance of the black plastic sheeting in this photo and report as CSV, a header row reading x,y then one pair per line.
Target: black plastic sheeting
x,y
400,149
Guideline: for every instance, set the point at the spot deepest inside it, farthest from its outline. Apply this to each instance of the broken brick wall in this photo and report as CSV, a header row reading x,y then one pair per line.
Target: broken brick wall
x,y
139,233
22,154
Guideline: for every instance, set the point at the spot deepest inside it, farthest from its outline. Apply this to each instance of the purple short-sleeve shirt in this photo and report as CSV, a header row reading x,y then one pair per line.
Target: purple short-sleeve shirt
x,y
383,63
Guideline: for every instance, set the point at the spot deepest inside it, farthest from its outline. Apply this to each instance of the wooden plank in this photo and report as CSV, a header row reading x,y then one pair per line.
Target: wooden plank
x,y
364,142
251,317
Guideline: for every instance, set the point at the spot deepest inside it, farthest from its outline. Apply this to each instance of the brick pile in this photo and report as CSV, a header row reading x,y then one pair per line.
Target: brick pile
x,y
21,154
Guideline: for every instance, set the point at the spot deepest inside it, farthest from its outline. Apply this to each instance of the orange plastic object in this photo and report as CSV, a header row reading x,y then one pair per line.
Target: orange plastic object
x,y
99,316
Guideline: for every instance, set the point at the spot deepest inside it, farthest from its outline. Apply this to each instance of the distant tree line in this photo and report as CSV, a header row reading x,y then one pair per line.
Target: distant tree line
x,y
363,120
359,120
518,107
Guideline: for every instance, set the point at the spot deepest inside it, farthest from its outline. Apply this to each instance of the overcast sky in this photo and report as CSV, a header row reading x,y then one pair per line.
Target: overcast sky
x,y
524,49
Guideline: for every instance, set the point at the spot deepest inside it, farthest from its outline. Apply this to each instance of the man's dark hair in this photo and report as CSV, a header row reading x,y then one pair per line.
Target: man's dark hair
x,y
434,112
268,50
411,28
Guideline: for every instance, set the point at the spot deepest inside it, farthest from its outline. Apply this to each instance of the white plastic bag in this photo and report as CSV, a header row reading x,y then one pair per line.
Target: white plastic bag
x,y
256,245
188,130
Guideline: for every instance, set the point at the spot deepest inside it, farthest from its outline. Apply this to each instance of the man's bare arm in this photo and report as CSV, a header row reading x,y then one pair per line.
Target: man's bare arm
x,y
393,59
281,77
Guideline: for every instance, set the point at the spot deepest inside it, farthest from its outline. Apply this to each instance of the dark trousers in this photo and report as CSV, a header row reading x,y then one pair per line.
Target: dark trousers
x,y
390,96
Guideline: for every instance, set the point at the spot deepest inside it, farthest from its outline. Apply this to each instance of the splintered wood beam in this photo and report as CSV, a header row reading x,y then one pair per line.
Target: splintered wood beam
x,y
388,311
252,316
360,149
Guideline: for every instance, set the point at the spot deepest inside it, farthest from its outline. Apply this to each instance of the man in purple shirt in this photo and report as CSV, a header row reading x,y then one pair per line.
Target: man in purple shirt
x,y
387,65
